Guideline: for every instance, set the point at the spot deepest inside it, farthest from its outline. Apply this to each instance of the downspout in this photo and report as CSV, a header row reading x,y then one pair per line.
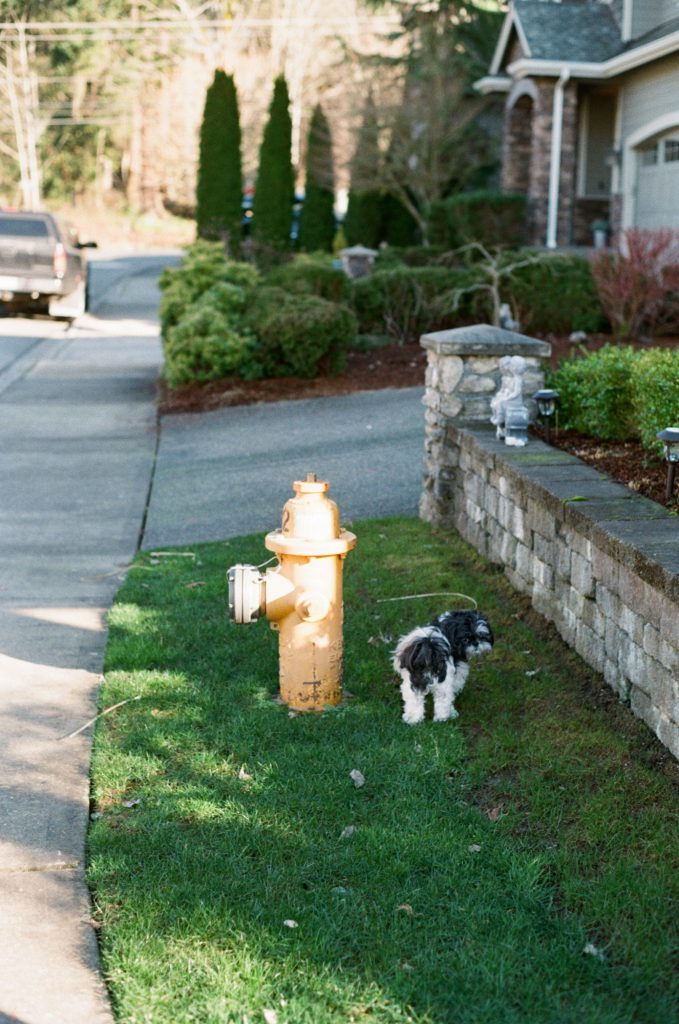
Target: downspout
x,y
555,159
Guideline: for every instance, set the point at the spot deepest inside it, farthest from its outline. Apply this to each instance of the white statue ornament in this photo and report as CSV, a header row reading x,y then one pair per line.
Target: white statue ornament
x,y
509,414
498,400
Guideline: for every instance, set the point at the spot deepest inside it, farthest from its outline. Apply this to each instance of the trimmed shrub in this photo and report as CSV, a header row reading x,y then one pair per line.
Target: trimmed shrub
x,y
302,336
220,179
205,345
655,386
317,220
491,218
597,393
408,301
639,288
557,294
415,256
312,276
204,266
274,193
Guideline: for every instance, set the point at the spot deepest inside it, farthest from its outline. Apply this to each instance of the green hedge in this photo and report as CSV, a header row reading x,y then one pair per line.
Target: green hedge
x,y
300,336
596,393
312,276
409,301
556,295
393,256
220,320
491,218
656,394
204,265
618,393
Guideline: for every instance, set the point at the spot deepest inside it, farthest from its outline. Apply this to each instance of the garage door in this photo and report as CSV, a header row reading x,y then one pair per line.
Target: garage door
x,y
657,203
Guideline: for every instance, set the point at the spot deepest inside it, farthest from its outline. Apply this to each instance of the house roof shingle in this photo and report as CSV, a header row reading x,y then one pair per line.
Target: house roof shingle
x,y
584,31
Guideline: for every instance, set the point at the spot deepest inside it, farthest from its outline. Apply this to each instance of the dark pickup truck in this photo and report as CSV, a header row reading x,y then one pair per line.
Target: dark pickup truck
x,y
42,266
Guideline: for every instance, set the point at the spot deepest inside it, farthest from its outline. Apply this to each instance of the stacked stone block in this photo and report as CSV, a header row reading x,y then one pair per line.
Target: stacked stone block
x,y
598,561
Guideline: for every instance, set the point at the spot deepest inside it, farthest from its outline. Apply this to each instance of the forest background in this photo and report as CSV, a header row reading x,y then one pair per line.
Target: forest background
x,y
101,100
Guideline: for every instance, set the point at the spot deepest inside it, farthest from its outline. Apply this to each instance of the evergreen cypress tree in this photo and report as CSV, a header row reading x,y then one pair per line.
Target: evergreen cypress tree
x,y
275,189
220,177
317,222
363,219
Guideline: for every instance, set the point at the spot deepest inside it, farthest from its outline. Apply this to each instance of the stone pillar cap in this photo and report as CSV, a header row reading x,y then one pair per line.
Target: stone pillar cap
x,y
485,340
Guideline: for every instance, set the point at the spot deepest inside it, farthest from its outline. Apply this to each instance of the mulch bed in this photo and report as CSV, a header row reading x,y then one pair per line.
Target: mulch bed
x,y
402,366
391,366
624,461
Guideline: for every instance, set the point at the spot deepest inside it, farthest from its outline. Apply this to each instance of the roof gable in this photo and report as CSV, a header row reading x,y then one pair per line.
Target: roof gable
x,y
581,31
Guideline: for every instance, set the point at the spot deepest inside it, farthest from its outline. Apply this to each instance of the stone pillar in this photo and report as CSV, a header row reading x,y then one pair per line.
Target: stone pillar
x,y
541,157
568,177
463,374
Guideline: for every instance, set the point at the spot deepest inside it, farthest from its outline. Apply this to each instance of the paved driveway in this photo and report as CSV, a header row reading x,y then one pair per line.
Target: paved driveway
x,y
226,473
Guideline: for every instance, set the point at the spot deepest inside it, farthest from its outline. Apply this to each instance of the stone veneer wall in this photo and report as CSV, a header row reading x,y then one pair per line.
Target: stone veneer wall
x,y
597,560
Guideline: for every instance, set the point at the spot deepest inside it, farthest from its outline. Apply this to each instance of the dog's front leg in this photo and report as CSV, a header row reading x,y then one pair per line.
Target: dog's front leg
x,y
413,704
444,694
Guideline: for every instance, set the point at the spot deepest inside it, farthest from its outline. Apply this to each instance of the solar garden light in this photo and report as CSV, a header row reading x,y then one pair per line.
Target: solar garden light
x,y
670,439
546,401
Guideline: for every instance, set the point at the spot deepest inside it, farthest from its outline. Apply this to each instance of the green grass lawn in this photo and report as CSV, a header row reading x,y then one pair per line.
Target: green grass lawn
x,y
519,864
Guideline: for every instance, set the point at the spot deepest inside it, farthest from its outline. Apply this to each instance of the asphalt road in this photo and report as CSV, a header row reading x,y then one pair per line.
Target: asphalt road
x,y
229,472
77,447
78,454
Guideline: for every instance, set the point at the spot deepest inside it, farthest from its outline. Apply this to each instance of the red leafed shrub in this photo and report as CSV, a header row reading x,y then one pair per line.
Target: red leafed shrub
x,y
638,282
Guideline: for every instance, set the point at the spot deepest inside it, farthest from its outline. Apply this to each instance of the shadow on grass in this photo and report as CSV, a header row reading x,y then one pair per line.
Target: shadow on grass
x,y
479,868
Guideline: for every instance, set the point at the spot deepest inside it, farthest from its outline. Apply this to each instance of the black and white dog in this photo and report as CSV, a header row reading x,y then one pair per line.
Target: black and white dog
x,y
435,659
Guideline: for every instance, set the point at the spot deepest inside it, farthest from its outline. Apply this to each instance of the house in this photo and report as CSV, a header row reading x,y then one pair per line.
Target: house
x,y
591,114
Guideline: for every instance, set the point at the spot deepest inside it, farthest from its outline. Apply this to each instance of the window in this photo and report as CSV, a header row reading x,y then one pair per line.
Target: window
x,y
649,155
671,150
23,227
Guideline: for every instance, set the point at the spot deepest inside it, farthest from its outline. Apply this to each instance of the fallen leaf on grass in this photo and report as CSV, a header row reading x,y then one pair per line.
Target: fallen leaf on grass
x,y
289,923
133,802
358,777
347,832
493,813
243,775
591,950
196,583
407,908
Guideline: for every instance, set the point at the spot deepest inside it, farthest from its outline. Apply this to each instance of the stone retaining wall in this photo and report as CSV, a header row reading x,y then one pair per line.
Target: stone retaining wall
x,y
597,560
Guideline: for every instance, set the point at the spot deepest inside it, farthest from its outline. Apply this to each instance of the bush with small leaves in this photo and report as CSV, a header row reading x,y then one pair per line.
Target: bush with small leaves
x,y
303,336
203,267
556,294
655,394
309,275
205,345
408,301
596,393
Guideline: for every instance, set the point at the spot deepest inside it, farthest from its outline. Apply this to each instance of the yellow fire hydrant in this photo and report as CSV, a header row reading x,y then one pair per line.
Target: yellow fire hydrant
x,y
301,596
